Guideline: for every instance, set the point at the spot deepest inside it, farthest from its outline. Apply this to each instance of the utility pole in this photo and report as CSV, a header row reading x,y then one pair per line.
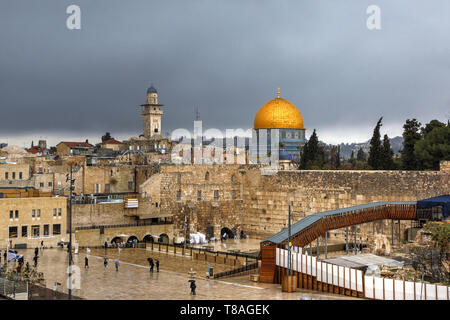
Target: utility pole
x,y
185,232
346,240
289,242
70,234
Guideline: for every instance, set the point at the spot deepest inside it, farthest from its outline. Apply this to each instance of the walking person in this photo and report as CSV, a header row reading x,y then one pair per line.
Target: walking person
x,y
27,267
86,262
42,245
105,262
150,262
35,259
116,262
157,265
193,287
36,252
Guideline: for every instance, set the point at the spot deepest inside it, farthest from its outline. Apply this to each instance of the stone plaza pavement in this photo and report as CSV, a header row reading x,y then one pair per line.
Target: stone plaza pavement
x,y
135,282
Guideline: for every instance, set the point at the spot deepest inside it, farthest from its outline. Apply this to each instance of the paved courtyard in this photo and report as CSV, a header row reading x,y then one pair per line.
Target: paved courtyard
x,y
135,282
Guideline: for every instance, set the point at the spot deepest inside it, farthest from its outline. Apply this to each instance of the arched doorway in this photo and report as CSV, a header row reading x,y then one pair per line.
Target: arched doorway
x,y
148,238
163,238
226,233
132,239
116,240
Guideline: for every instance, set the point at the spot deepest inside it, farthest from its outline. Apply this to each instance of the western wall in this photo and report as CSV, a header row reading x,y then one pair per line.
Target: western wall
x,y
260,203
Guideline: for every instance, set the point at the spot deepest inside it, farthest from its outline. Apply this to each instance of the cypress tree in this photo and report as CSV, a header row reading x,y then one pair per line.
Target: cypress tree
x,y
387,154
375,153
313,154
352,159
410,136
361,155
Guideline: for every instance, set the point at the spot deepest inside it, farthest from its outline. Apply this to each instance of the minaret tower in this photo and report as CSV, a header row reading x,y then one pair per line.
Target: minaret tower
x,y
152,114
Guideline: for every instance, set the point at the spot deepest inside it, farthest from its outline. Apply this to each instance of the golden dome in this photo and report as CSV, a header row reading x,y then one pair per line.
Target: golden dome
x,y
278,113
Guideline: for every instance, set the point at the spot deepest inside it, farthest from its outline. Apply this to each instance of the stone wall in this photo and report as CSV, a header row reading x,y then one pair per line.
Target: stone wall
x,y
267,197
445,166
93,237
260,203
99,214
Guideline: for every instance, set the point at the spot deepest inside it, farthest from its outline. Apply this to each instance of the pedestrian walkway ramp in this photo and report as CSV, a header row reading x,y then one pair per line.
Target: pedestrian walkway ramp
x,y
316,225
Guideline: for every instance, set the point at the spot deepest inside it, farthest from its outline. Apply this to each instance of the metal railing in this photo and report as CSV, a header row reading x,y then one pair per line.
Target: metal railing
x,y
137,224
96,198
14,289
248,267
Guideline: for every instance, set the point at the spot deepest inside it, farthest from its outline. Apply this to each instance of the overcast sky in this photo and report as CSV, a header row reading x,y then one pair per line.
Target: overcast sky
x,y
225,56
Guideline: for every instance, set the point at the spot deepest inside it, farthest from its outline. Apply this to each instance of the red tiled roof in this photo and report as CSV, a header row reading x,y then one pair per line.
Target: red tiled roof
x,y
37,149
111,141
77,144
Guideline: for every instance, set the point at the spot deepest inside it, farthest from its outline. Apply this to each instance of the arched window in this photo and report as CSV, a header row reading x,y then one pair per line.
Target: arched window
x,y
207,176
233,177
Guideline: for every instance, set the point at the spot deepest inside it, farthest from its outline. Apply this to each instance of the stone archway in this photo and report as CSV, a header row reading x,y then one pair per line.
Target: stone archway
x,y
163,238
227,232
116,240
148,238
132,238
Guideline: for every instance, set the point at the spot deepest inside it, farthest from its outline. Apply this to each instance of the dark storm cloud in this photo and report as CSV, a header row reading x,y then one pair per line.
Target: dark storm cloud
x,y
226,57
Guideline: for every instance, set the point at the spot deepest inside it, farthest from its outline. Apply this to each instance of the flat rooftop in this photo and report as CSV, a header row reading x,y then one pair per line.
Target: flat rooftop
x,y
363,260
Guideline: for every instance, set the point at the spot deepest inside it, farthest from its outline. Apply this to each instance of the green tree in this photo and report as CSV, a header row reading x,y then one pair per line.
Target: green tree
x,y
430,151
375,152
440,234
430,126
410,136
106,137
352,160
387,161
313,154
361,155
334,158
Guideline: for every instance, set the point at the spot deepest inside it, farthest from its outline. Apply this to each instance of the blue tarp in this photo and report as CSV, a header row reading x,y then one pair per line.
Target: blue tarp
x,y
443,201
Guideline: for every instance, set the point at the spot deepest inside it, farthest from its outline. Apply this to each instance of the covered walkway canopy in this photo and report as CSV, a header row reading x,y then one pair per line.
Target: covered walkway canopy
x,y
442,201
344,217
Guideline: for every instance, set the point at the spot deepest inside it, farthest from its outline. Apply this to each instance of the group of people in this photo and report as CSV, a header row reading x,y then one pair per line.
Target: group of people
x,y
152,264
20,261
116,263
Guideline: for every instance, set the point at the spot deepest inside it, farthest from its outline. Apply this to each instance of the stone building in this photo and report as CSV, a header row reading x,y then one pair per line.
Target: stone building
x,y
151,140
27,218
69,148
12,172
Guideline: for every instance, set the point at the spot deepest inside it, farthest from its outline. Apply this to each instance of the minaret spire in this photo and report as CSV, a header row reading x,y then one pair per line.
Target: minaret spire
x,y
278,94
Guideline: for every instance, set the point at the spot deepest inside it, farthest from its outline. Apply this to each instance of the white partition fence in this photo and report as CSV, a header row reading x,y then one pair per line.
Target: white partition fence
x,y
352,279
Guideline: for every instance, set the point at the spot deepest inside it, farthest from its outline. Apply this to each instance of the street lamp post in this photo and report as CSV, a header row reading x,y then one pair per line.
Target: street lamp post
x,y
70,234
289,242
185,233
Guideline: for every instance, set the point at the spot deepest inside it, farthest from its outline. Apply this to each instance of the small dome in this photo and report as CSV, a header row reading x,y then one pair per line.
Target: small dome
x,y
151,90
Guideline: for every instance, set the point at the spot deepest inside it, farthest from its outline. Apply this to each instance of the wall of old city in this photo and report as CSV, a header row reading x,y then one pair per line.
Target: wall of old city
x,y
267,197
261,204
94,237
179,187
